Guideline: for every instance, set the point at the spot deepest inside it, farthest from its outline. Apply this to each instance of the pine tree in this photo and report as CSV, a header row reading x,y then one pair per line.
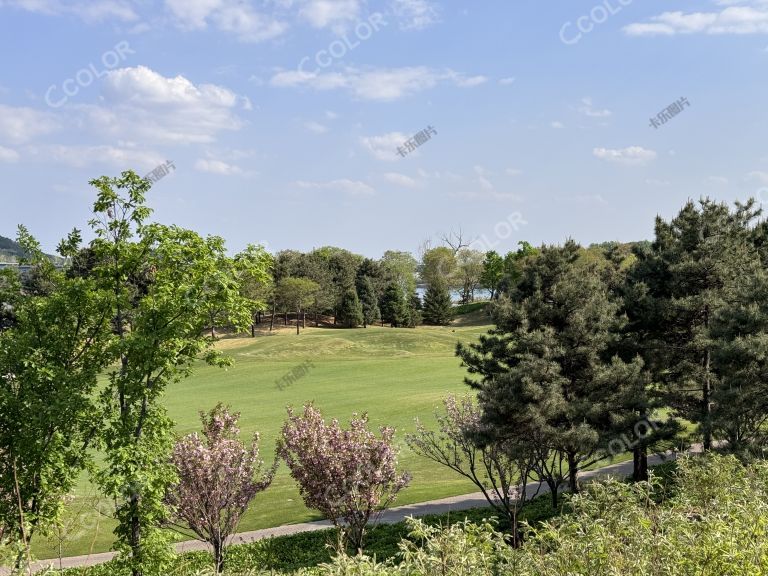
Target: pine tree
x,y
351,311
543,368
688,306
394,310
369,300
438,308
415,308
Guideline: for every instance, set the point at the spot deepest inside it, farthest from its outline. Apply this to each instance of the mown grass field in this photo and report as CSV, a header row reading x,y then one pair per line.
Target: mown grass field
x,y
395,375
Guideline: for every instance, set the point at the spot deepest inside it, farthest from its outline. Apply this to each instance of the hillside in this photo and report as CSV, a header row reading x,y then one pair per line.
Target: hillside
x,y
10,251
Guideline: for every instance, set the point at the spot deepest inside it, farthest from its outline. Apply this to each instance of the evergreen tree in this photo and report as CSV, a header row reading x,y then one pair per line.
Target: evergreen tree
x,y
689,303
368,300
438,308
351,311
415,316
544,367
394,310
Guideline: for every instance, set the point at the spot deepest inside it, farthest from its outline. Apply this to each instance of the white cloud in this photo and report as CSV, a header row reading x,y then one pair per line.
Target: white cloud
x,y
122,158
402,180
236,17
507,81
384,147
8,155
20,124
377,84
217,167
633,155
330,13
588,110
735,17
348,187
315,127
90,11
415,14
147,106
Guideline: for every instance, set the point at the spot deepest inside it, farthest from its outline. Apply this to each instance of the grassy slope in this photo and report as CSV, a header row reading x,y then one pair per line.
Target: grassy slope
x,y
393,374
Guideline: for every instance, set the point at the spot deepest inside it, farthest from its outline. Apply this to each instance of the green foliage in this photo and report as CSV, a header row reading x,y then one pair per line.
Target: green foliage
x,y
368,300
696,304
51,354
351,310
438,308
493,271
463,309
163,282
394,309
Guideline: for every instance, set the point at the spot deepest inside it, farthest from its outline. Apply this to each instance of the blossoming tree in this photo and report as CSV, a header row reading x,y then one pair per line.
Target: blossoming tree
x,y
350,475
218,478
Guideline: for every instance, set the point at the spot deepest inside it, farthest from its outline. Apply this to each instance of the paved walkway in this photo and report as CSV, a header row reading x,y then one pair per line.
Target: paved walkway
x,y
391,516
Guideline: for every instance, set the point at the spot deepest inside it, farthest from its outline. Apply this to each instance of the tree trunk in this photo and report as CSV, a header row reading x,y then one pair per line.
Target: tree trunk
x,y
135,536
706,421
303,319
253,330
272,319
317,319
573,473
285,318
554,493
298,324
640,463
218,556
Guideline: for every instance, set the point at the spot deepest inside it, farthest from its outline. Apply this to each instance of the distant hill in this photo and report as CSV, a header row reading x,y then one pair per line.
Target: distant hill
x,y
11,251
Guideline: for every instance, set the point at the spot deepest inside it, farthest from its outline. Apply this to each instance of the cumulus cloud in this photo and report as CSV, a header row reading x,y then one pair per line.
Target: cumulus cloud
x,y
91,11
402,180
330,13
346,186
232,16
8,155
415,14
731,17
21,124
145,105
376,84
587,109
121,158
217,167
384,147
633,155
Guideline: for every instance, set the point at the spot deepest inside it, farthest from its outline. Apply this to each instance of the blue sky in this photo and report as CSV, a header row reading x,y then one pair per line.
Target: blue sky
x,y
283,117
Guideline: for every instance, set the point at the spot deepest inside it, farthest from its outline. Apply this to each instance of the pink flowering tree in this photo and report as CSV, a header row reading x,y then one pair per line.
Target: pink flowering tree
x,y
218,478
350,475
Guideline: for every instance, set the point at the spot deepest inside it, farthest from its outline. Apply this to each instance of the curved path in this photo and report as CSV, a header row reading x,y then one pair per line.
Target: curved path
x,y
391,516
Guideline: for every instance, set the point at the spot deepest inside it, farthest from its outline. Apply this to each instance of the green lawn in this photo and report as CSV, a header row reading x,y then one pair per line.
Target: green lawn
x,y
395,375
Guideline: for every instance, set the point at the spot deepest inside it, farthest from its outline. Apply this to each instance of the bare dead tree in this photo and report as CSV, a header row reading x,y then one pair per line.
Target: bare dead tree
x,y
455,240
